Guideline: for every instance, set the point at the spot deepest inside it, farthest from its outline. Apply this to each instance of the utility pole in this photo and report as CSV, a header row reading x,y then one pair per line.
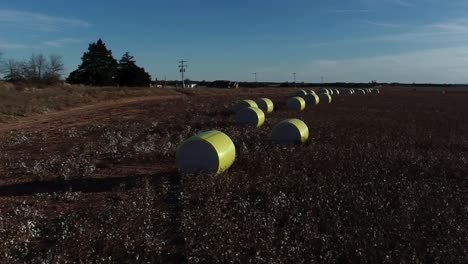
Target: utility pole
x,y
294,79
182,66
255,74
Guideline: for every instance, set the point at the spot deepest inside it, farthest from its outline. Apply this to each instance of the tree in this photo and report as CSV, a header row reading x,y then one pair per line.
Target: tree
x,y
129,74
54,70
12,70
35,67
98,67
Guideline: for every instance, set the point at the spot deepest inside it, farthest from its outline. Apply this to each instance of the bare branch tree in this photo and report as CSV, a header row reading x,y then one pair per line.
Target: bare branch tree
x,y
54,70
12,70
41,65
56,66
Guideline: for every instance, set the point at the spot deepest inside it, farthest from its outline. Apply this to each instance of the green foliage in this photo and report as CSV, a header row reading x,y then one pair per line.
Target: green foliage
x,y
129,74
98,67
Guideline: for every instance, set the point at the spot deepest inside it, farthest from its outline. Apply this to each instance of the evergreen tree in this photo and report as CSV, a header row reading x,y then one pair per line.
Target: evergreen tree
x,y
129,74
98,67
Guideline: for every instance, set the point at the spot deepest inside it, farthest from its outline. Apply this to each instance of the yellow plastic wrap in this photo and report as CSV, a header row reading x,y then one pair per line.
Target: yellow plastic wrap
x,y
296,103
266,105
244,104
290,131
251,116
209,152
325,98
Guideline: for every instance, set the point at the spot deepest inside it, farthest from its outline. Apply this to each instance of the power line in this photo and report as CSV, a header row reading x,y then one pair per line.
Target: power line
x,y
182,66
294,74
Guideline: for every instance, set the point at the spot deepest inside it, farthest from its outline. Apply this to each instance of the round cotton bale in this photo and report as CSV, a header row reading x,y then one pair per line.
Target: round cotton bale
x,y
301,93
325,98
312,92
291,131
312,99
244,104
211,152
296,103
337,92
324,90
361,91
251,116
376,91
265,104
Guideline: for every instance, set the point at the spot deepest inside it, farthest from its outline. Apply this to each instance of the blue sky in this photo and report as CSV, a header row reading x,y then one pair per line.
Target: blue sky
x,y
352,40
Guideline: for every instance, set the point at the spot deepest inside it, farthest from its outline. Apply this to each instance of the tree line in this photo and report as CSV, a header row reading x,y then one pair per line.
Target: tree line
x,y
37,69
98,68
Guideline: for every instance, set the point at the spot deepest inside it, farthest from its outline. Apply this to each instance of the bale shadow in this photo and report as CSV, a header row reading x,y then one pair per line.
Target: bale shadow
x,y
77,185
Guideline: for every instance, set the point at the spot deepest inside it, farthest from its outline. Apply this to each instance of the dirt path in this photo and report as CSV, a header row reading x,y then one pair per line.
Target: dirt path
x,y
82,115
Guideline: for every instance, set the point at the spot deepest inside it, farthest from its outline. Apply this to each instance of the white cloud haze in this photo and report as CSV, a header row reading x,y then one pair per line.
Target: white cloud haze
x,y
38,22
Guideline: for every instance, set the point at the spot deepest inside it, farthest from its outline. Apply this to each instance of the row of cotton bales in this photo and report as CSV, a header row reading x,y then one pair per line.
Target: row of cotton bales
x,y
250,112
304,98
214,152
350,91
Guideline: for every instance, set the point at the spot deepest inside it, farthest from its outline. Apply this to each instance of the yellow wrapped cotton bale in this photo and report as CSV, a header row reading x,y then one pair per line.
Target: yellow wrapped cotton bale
x,y
325,98
296,103
312,92
301,93
251,116
291,131
337,92
244,104
361,91
211,152
324,90
312,99
265,104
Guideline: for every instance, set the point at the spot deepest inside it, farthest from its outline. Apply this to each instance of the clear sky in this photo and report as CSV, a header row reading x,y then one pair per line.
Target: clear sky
x,y
352,40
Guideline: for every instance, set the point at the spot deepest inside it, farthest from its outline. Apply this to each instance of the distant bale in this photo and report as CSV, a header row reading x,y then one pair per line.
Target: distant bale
x,y
324,90
312,99
265,104
312,92
291,131
361,91
325,98
347,91
337,92
251,116
296,103
376,91
301,93
211,152
244,104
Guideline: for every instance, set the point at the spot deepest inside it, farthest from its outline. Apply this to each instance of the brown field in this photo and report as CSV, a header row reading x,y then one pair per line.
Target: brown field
x,y
383,179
